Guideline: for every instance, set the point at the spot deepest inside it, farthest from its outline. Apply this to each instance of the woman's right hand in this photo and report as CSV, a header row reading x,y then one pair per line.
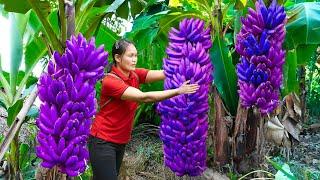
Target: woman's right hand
x,y
186,88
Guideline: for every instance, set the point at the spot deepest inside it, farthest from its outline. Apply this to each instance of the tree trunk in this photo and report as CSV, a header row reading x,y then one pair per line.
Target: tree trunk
x,y
51,174
261,143
222,146
245,140
238,135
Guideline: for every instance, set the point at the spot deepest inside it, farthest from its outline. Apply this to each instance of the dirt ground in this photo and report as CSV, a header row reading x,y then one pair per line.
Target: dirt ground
x,y
144,159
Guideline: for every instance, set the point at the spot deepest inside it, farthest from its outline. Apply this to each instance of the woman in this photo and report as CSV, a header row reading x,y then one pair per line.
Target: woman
x,y
120,95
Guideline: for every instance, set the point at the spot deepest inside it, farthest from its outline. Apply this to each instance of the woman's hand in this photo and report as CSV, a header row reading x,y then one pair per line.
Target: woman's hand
x,y
186,88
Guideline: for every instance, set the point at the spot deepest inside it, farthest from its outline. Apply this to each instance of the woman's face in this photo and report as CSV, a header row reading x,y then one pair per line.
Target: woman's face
x,y
128,60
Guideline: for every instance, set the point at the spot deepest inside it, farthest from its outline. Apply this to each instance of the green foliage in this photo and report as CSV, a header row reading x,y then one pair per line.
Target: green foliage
x,y
291,83
19,6
302,30
173,18
144,22
152,20
232,176
225,77
17,28
28,160
303,23
32,57
304,53
284,169
20,77
301,40
13,111
98,91
90,17
24,149
281,175
122,10
14,82
1,138
23,6
106,37
292,169
313,95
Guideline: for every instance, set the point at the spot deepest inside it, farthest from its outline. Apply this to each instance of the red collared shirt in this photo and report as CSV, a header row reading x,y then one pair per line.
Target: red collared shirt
x,y
114,121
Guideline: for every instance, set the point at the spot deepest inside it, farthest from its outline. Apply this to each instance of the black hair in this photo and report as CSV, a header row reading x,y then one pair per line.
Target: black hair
x,y
119,47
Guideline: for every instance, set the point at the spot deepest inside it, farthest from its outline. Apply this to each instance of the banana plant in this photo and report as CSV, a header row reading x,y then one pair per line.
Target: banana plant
x,y
49,24
14,82
305,19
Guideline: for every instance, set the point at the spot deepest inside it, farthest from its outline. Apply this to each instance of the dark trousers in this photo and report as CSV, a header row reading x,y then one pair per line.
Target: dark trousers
x,y
105,158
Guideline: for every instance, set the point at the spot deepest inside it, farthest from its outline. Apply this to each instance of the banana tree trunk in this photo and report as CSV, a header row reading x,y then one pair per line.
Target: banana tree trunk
x,y
239,142
247,146
247,140
260,140
50,174
221,139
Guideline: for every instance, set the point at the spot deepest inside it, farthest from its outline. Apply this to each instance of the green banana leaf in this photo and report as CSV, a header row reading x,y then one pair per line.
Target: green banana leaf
x,y
303,29
122,10
24,149
305,52
225,77
13,111
302,38
173,18
23,6
145,22
18,6
21,74
17,28
290,79
107,37
35,50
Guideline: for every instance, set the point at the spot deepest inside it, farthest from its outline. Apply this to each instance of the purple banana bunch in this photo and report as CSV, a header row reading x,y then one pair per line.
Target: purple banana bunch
x,y
67,92
184,117
259,44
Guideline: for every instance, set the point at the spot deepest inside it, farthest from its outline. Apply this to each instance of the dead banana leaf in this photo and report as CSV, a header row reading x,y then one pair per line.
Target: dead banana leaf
x,y
293,106
290,105
292,127
275,131
297,105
